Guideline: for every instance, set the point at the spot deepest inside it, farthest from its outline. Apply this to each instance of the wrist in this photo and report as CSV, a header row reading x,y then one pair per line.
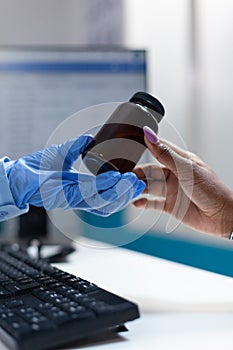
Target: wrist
x,y
9,207
13,177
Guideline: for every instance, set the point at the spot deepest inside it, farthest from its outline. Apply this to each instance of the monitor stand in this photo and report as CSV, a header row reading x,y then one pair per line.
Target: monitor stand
x,y
33,225
33,232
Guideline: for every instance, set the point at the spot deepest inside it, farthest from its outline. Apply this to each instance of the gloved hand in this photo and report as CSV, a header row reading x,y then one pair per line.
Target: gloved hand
x,y
47,179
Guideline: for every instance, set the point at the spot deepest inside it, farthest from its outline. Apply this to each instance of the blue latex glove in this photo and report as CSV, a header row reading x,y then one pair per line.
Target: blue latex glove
x,y
47,179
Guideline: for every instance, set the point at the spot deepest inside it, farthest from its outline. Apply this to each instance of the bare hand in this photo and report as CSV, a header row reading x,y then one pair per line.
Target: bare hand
x,y
186,188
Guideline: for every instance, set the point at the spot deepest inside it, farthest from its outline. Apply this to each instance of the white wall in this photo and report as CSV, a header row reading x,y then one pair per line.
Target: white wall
x,y
216,84
199,100
41,22
65,22
161,27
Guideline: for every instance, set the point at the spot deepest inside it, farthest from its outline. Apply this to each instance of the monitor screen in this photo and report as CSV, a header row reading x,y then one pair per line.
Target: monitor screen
x,y
40,87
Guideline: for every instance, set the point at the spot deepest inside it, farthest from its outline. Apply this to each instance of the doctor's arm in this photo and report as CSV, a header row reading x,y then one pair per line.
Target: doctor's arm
x,y
48,179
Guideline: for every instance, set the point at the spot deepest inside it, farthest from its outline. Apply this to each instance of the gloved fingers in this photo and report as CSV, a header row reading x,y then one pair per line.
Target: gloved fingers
x,y
76,190
112,199
128,188
80,191
71,149
139,190
106,187
58,157
127,184
90,185
73,187
117,205
85,197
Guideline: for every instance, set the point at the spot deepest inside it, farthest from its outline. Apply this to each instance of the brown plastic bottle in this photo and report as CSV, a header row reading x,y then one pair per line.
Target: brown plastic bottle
x,y
119,144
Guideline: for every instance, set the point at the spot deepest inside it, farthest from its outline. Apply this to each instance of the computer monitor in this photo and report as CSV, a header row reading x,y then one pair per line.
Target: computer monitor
x,y
41,86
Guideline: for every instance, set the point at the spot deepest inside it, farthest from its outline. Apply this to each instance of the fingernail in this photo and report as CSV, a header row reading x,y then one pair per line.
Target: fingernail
x,y
150,134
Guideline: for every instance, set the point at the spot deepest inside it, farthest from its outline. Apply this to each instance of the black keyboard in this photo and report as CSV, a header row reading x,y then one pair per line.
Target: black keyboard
x,y
43,307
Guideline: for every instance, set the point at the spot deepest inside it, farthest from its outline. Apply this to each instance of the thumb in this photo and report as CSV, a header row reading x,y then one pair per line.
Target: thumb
x,y
71,149
162,152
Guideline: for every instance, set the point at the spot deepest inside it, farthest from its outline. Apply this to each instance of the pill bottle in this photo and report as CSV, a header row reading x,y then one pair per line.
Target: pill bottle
x,y
119,144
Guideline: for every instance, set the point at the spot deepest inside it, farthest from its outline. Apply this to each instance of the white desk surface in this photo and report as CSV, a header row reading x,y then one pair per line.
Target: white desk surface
x,y
181,307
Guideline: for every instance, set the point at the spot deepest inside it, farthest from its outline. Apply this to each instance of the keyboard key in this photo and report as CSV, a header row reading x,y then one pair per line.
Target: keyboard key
x,y
14,303
16,288
4,293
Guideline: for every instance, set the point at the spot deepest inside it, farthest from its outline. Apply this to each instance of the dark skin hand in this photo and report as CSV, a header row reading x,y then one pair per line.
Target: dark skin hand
x,y
186,188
